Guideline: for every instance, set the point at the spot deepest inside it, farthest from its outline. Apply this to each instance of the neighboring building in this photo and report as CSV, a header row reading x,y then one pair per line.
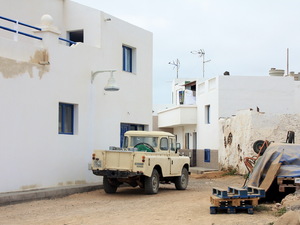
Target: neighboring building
x,y
222,97
53,111
182,116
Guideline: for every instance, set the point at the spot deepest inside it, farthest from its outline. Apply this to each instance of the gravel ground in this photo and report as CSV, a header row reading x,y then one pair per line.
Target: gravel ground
x,y
131,206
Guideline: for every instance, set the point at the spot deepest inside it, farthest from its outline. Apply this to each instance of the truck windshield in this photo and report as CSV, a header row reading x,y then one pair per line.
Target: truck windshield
x,y
149,140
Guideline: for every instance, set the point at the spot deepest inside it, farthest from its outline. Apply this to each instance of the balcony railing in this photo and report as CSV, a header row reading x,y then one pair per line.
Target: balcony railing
x,y
26,34
20,32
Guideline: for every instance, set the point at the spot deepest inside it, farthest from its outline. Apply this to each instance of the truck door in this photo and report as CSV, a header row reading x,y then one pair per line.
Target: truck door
x,y
164,148
175,161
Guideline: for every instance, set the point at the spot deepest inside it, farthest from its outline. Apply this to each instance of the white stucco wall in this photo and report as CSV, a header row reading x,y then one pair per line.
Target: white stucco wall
x,y
228,94
271,94
246,128
297,97
33,154
207,94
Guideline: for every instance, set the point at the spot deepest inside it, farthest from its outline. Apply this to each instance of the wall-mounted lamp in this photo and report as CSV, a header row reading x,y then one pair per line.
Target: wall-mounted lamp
x,y
111,84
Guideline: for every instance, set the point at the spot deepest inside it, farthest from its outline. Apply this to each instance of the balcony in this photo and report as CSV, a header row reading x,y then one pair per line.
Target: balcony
x,y
178,116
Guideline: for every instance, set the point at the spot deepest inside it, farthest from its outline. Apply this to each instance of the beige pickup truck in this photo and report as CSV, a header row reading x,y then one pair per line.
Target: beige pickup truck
x,y
146,159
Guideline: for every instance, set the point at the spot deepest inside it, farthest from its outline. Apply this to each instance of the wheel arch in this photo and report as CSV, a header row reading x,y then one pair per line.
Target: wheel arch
x,y
159,170
187,166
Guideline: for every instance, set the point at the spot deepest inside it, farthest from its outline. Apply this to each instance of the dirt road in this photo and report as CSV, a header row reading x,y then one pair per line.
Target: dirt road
x,y
132,206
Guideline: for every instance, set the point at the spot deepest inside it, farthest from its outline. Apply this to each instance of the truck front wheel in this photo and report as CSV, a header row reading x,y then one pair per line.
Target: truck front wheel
x,y
152,183
110,185
181,182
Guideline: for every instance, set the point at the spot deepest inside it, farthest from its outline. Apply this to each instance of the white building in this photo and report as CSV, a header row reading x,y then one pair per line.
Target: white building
x,y
53,114
197,125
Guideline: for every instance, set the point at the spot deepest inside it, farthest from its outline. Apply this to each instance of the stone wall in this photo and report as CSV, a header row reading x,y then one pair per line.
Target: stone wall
x,y
238,134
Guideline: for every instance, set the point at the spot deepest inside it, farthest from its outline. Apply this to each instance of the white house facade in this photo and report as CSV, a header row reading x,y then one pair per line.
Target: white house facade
x,y
222,97
54,109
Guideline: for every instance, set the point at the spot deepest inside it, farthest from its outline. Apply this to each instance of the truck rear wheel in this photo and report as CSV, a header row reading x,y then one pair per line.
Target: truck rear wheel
x,y
152,183
110,186
181,182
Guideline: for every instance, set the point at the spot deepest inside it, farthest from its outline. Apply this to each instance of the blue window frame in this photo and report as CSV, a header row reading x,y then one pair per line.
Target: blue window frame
x,y
66,119
206,155
127,59
126,127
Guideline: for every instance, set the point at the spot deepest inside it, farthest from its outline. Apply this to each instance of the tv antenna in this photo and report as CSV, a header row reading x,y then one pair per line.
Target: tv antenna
x,y
201,53
175,64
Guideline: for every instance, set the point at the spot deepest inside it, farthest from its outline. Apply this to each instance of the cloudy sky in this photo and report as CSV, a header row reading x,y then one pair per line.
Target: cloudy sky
x,y
246,37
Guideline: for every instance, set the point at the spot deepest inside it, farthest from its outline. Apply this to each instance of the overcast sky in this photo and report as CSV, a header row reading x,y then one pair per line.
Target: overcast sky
x,y
244,37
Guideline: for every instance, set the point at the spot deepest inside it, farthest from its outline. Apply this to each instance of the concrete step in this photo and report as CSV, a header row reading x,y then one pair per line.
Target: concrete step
x,y
46,193
200,170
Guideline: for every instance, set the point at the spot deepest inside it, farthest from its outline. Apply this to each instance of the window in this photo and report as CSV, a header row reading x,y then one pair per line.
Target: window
x,y
126,127
140,139
125,142
127,59
76,36
172,144
207,114
206,155
66,119
164,144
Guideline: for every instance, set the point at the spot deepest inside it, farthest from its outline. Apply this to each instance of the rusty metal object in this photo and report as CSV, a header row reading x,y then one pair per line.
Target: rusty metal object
x,y
259,147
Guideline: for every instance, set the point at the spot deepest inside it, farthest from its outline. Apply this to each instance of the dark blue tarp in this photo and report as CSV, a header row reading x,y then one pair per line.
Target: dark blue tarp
x,y
290,162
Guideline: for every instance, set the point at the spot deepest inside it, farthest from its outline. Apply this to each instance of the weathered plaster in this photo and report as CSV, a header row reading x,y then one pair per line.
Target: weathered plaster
x,y
246,128
11,68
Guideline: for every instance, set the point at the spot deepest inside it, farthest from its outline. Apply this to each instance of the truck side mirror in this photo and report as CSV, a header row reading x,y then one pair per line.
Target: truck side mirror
x,y
178,146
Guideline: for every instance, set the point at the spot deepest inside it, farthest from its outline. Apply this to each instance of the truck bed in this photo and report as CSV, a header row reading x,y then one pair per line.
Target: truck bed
x,y
118,160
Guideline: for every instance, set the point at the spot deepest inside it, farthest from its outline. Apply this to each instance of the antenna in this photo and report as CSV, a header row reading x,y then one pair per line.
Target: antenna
x,y
175,64
287,61
201,53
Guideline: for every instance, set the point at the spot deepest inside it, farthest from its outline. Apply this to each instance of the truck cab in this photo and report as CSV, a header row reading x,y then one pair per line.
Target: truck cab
x,y
156,141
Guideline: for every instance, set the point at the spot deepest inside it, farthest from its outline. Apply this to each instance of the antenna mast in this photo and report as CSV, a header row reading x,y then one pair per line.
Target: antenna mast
x,y
177,65
201,53
287,61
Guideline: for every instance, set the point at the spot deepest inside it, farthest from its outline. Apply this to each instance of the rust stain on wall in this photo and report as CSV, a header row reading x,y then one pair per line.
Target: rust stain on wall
x,y
11,68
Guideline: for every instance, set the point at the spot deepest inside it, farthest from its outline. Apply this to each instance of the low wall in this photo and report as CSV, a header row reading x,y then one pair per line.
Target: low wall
x,y
240,132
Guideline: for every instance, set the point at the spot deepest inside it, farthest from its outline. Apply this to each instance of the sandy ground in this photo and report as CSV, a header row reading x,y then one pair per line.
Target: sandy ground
x,y
131,206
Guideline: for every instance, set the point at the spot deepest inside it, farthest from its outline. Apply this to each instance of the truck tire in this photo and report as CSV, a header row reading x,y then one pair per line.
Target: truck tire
x,y
109,186
259,145
152,183
181,182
